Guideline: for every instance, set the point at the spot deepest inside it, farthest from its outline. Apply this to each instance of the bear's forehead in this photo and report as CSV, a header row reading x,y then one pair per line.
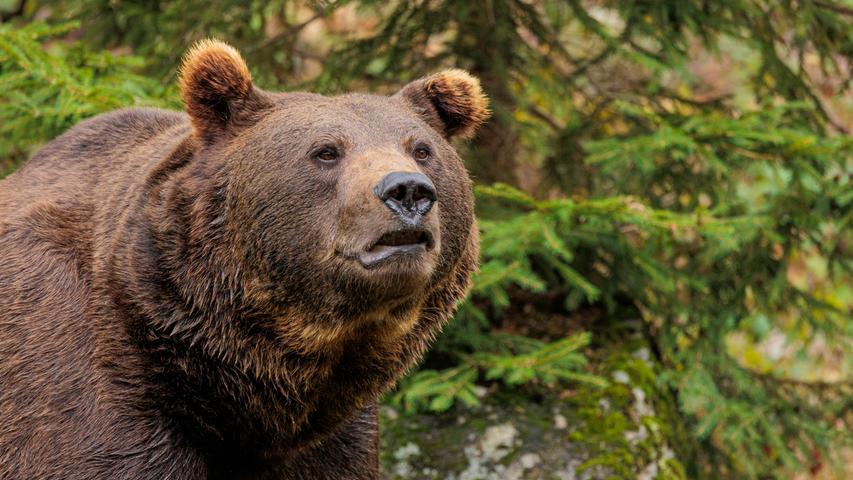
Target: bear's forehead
x,y
352,113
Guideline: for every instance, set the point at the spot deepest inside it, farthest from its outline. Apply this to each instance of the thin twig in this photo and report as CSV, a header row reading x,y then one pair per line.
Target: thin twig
x,y
554,124
289,31
835,8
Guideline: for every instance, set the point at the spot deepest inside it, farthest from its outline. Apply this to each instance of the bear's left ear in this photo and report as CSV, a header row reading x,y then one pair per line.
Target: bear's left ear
x,y
217,89
452,102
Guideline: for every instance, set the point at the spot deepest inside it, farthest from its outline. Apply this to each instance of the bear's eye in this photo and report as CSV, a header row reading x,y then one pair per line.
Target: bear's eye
x,y
327,155
422,154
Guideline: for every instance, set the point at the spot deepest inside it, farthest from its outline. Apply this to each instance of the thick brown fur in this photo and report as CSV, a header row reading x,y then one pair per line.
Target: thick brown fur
x,y
178,296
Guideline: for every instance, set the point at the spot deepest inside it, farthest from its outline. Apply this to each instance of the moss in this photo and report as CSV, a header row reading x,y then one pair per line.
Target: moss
x,y
631,425
625,430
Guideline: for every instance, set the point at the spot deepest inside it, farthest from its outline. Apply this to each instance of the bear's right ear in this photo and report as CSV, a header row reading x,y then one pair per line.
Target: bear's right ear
x,y
216,87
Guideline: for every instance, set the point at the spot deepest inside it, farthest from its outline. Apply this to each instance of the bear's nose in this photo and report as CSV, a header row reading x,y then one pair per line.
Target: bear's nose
x,y
408,194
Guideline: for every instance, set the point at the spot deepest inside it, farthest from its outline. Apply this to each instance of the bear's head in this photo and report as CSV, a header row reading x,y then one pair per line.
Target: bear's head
x,y
344,214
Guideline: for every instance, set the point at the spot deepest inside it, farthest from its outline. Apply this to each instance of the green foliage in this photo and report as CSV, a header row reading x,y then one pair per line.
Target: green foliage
x,y
541,363
265,32
633,251
44,90
634,189
801,194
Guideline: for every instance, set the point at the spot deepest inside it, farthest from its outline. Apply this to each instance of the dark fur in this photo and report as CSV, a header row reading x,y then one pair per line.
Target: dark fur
x,y
172,301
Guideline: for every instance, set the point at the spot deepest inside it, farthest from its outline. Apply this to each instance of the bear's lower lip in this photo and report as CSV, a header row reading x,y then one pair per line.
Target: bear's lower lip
x,y
381,254
396,245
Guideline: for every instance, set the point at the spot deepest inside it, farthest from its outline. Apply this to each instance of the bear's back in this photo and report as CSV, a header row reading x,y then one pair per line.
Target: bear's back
x,y
53,212
83,163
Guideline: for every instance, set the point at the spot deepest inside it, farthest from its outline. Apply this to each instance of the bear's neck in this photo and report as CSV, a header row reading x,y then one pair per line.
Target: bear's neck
x,y
299,398
219,368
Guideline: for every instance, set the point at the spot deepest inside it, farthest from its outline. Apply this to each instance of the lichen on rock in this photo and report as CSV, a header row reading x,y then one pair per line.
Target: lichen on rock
x,y
624,430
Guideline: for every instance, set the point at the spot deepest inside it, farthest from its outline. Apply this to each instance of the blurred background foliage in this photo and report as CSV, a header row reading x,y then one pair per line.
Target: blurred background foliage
x,y
675,173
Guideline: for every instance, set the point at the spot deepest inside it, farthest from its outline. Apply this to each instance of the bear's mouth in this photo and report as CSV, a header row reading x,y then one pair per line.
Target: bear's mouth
x,y
396,244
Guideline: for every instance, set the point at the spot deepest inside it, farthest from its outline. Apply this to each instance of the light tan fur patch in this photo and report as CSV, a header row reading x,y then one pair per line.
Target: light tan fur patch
x,y
209,55
460,94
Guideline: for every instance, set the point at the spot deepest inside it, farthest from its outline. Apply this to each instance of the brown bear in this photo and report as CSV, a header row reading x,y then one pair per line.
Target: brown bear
x,y
226,293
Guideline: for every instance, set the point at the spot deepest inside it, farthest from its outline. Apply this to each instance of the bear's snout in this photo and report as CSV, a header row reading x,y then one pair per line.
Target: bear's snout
x,y
410,195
